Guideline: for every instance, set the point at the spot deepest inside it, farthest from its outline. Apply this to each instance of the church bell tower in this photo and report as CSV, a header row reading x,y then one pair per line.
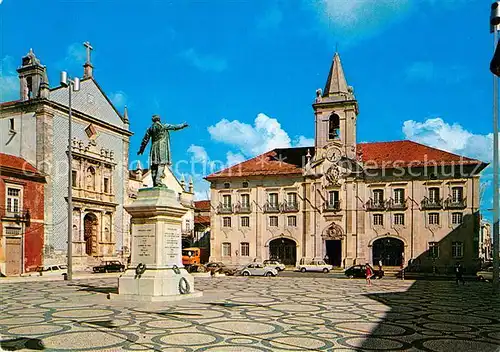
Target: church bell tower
x,y
336,111
33,82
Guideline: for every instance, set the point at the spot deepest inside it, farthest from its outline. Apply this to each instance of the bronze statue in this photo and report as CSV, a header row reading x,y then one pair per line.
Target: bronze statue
x,y
160,154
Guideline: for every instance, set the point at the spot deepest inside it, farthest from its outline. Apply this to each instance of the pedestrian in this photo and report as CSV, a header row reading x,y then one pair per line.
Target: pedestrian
x,y
212,272
380,264
459,274
369,274
326,259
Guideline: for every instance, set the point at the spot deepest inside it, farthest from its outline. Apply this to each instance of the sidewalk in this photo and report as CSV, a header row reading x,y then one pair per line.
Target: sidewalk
x,y
79,275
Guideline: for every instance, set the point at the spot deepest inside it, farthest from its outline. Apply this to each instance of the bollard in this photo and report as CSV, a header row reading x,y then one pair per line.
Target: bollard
x,y
65,276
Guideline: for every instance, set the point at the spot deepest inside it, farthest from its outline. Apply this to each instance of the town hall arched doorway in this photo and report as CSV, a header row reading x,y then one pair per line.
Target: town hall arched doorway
x,y
388,249
284,249
90,233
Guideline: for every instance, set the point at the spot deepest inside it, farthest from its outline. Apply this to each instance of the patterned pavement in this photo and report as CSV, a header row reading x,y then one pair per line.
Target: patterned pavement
x,y
253,314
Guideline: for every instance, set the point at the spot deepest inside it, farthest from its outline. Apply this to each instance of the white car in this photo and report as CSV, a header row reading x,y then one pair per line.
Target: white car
x,y
275,263
315,265
258,269
485,274
52,270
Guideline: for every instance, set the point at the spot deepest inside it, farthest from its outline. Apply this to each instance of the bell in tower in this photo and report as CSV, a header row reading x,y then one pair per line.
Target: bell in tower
x,y
33,80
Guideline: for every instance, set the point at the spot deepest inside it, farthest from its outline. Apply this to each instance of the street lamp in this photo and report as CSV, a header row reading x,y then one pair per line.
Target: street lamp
x,y
494,67
73,85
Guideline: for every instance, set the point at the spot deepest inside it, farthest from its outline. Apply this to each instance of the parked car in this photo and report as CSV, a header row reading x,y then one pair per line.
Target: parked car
x,y
315,265
219,267
276,263
486,274
109,266
259,269
359,271
52,270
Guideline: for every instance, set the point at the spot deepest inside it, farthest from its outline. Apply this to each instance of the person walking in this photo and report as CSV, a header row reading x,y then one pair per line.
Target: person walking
x,y
459,274
369,274
380,264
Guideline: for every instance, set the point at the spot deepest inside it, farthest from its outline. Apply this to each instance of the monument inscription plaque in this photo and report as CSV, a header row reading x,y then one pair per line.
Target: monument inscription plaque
x,y
144,244
172,246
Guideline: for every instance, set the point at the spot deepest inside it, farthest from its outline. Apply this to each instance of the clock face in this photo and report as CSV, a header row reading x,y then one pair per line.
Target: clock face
x,y
333,154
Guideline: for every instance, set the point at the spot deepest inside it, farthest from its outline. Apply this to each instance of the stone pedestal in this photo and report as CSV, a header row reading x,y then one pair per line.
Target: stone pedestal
x,y
156,243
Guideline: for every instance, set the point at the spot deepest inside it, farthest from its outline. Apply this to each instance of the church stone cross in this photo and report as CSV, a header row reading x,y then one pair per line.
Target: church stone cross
x,y
89,48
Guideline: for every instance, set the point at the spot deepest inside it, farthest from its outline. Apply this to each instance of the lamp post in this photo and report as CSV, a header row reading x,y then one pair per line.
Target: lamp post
x,y
73,85
495,69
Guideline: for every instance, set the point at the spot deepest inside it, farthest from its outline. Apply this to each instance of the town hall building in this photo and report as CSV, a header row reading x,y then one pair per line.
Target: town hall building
x,y
399,202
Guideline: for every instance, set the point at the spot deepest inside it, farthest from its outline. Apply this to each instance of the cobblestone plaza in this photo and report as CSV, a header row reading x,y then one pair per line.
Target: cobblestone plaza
x,y
254,314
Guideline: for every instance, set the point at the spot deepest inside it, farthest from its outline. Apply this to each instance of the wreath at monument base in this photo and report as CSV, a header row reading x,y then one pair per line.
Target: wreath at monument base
x,y
184,286
140,268
176,269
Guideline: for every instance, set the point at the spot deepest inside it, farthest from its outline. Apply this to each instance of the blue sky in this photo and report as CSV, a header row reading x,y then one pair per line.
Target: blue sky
x,y
233,68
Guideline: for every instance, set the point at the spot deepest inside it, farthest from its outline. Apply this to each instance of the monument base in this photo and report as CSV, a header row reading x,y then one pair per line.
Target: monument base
x,y
156,285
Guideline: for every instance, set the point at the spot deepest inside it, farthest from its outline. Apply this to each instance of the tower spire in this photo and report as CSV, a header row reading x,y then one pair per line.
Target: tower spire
x,y
336,83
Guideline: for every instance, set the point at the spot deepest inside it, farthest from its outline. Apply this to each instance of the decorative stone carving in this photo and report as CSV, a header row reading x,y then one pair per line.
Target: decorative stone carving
x,y
319,92
332,176
333,232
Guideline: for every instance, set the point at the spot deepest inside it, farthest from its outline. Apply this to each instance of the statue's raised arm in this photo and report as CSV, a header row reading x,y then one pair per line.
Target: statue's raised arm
x,y
160,154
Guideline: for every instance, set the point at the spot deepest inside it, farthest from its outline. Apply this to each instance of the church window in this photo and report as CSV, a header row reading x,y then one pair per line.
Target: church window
x,y
245,221
399,196
245,249
292,221
91,178
90,131
29,84
399,219
456,218
74,178
106,185
457,249
334,127
378,196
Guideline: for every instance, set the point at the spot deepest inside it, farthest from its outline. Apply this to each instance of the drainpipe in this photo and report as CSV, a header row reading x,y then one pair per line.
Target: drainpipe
x,y
356,209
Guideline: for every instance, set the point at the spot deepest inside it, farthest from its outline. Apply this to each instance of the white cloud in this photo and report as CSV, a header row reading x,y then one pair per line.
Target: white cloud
x,y
234,158
266,134
453,138
199,153
302,141
204,62
9,83
119,99
76,53
356,19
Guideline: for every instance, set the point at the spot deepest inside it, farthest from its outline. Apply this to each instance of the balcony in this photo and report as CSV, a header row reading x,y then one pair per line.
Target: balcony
x,y
243,208
396,205
224,209
272,207
430,204
375,204
22,215
290,207
451,203
331,206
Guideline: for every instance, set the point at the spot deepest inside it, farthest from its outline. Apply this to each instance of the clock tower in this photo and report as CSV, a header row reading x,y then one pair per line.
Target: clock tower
x,y
336,111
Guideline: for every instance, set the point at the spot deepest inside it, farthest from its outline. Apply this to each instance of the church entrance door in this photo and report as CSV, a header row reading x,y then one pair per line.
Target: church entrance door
x,y
388,249
334,252
90,233
283,249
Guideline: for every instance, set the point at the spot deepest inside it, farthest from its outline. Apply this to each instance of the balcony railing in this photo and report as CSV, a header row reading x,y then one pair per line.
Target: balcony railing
x,y
22,215
224,209
290,207
451,203
436,203
392,204
243,208
272,207
373,204
331,206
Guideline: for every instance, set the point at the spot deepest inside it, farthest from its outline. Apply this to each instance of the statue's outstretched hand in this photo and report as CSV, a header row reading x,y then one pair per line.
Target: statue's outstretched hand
x,y
139,152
